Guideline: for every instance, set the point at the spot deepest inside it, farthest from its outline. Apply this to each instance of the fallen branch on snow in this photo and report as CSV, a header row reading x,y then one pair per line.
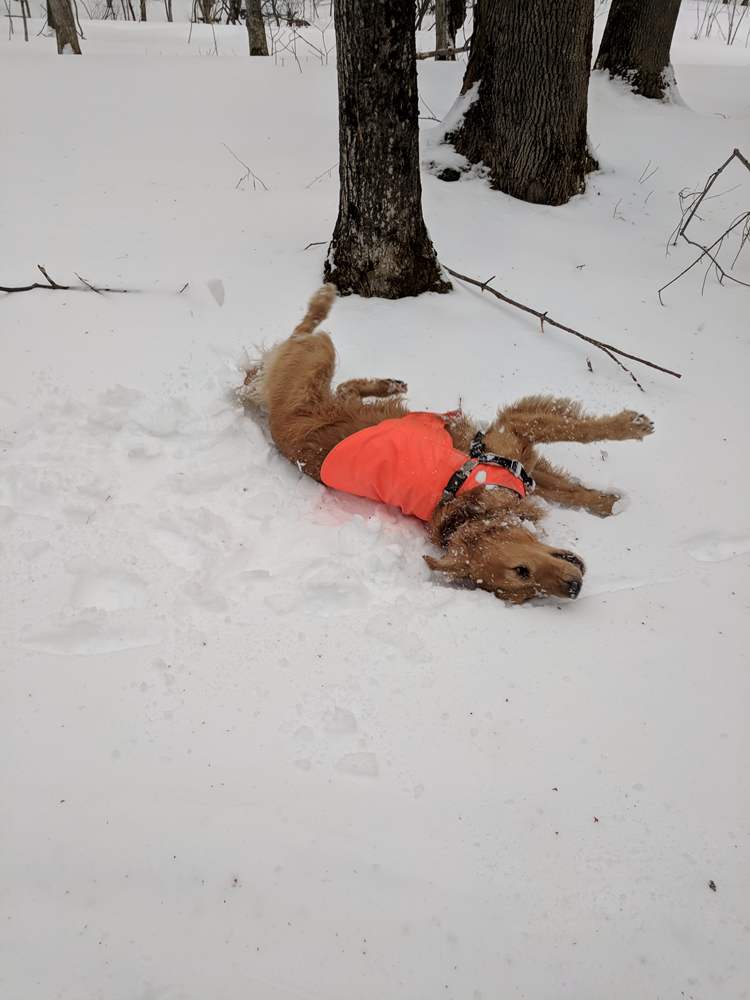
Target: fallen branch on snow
x,y
53,286
609,349
690,208
443,52
86,286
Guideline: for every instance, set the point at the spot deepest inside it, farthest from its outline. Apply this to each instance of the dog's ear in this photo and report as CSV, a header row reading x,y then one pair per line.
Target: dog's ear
x,y
447,564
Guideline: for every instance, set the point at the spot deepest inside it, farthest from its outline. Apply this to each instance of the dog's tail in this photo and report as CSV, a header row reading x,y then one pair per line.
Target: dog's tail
x,y
317,310
253,392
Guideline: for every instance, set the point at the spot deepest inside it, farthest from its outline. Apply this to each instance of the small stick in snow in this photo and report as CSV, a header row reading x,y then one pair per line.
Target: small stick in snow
x,y
316,179
320,243
609,349
247,175
54,286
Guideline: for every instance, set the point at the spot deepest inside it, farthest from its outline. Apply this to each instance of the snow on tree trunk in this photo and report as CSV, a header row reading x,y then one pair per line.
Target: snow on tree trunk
x,y
636,42
64,24
380,245
530,63
443,39
256,29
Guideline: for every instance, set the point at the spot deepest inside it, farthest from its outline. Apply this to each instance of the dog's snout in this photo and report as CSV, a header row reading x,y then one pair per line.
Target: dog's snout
x,y
574,588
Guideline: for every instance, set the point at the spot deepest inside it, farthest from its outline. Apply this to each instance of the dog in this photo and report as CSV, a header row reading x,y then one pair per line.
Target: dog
x,y
477,492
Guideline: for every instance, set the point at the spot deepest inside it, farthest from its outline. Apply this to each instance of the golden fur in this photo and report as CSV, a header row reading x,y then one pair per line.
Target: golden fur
x,y
482,532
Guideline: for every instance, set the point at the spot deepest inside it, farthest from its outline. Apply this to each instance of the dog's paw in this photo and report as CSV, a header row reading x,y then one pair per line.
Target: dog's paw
x,y
605,504
396,387
636,425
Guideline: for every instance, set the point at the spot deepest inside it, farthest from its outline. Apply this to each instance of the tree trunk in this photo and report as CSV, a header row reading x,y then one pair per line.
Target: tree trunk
x,y
530,62
443,39
143,10
64,24
636,42
256,29
167,8
380,245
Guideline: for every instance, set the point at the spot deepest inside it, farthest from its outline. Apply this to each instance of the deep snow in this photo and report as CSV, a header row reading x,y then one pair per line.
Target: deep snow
x,y
251,748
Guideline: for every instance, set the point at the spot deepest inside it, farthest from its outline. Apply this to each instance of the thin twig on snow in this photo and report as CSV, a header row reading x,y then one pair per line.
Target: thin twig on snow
x,y
615,353
689,213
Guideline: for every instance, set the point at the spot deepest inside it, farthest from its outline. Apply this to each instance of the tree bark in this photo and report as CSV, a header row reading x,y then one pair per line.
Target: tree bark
x,y
443,38
530,62
636,42
256,29
63,22
143,10
380,245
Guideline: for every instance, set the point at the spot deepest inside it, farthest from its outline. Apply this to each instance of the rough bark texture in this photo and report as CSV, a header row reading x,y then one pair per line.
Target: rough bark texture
x,y
380,244
636,42
64,24
256,29
531,62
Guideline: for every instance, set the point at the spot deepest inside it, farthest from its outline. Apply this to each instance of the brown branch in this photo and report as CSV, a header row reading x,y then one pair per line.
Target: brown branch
x,y
736,154
442,52
54,286
609,349
688,214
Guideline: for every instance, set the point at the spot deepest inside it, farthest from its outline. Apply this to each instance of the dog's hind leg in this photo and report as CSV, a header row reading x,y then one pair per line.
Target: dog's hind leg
x,y
374,388
558,487
544,419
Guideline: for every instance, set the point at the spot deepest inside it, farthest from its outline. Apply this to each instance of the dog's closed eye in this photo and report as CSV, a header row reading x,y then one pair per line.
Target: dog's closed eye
x,y
523,572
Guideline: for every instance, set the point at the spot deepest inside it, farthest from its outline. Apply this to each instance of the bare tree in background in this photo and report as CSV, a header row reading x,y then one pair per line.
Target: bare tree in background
x,y
530,62
449,16
60,19
168,10
636,43
256,29
143,10
380,245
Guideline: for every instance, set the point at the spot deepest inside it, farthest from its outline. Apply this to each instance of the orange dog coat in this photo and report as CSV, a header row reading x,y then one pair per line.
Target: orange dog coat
x,y
406,462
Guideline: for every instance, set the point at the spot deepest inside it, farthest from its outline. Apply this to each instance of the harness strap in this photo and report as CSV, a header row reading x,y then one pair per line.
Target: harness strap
x,y
511,464
478,456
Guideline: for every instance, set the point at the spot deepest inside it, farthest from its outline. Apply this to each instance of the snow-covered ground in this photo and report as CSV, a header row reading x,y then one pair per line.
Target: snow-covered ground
x,y
250,747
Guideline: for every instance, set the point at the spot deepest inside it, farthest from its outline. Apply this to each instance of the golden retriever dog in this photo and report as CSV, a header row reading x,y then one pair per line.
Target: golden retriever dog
x,y
471,488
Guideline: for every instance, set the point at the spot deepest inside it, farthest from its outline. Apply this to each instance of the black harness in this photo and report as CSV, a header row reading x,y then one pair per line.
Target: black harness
x,y
478,456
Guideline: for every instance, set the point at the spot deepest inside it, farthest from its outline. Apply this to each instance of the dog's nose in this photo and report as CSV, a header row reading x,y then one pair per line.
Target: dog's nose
x,y
574,588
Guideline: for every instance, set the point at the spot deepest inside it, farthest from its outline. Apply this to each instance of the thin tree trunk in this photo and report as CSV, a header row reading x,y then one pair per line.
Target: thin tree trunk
x,y
63,22
443,38
380,245
636,42
530,63
143,10
256,29
168,10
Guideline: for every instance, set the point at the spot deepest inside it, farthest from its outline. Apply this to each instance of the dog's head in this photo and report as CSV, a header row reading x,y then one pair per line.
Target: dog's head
x,y
513,564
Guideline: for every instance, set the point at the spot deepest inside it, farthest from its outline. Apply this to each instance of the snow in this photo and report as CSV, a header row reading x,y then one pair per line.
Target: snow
x,y
251,747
